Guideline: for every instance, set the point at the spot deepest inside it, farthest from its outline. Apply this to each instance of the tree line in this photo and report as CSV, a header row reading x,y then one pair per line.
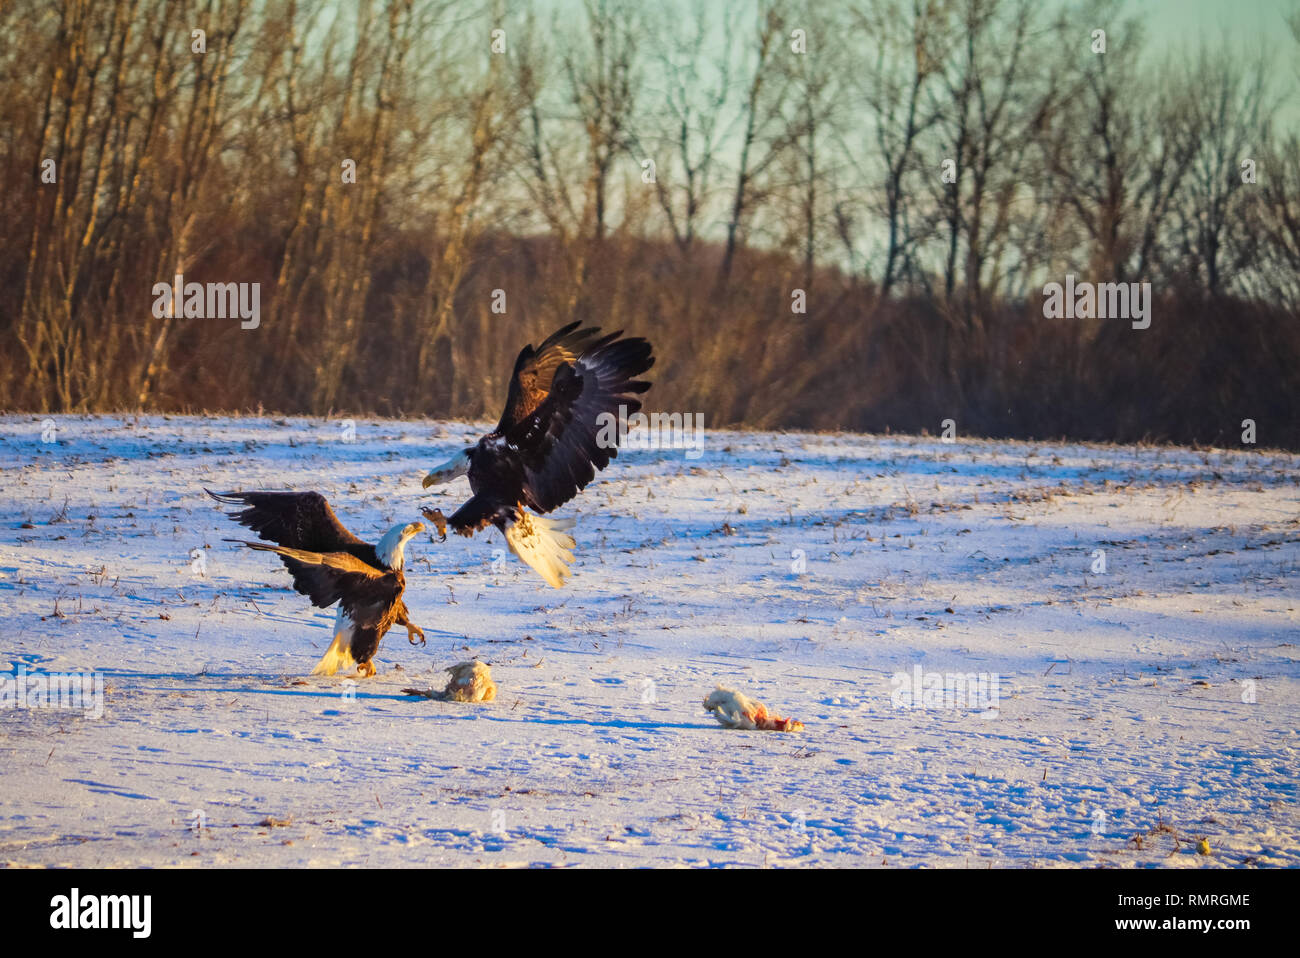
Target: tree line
x,y
824,214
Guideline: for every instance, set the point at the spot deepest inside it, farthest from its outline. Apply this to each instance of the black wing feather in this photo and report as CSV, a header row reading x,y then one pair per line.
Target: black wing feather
x,y
298,520
558,443
535,369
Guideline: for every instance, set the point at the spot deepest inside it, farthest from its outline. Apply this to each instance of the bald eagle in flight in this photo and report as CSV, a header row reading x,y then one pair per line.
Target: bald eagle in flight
x,y
329,564
547,447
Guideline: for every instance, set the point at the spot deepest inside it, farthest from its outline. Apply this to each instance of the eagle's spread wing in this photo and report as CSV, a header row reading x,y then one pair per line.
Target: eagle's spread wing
x,y
560,443
535,371
297,520
366,593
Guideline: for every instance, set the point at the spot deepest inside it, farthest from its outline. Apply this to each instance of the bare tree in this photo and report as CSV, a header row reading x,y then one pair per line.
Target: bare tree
x,y
894,84
684,128
602,80
1231,116
764,136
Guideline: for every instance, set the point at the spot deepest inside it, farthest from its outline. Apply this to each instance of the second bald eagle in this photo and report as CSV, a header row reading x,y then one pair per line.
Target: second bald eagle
x,y
329,564
547,446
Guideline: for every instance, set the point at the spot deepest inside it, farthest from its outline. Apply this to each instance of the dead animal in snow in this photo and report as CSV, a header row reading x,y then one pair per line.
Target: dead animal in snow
x,y
735,710
469,682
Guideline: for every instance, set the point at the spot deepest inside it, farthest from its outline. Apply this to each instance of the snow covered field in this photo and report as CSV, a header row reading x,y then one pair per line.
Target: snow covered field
x,y
1123,715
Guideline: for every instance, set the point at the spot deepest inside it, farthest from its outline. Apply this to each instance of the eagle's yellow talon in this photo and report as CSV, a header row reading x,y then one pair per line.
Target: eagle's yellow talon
x,y
438,519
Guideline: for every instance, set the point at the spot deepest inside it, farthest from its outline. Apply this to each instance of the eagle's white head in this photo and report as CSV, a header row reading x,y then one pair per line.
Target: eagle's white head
x,y
392,546
457,465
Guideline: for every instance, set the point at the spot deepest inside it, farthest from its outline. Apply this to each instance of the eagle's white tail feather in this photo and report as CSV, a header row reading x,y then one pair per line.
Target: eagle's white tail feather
x,y
339,654
543,544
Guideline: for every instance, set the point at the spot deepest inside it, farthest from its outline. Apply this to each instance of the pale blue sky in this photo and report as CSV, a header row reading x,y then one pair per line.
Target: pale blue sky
x,y
1190,18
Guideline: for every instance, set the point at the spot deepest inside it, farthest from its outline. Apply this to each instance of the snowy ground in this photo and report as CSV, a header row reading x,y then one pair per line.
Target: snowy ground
x,y
1159,699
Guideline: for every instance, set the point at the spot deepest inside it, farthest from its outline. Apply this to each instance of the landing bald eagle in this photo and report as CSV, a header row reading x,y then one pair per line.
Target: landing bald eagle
x,y
545,449
329,564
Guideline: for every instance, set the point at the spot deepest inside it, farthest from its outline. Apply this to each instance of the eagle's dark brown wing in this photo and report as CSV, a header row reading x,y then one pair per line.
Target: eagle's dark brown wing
x,y
297,520
535,371
560,443
366,594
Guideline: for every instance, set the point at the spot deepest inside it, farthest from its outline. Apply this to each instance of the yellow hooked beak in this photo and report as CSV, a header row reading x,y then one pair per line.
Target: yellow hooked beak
x,y
453,468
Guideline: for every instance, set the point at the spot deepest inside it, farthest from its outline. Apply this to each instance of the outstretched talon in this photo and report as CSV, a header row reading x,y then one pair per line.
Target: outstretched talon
x,y
413,632
366,670
438,519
